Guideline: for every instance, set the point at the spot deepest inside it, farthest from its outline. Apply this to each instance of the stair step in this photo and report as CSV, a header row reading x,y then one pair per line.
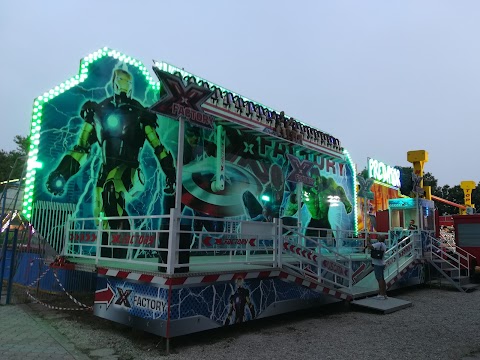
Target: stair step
x,y
462,280
442,262
470,287
449,269
444,283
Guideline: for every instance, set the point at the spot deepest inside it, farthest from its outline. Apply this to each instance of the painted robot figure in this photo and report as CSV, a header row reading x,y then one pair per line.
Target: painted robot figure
x,y
119,125
238,301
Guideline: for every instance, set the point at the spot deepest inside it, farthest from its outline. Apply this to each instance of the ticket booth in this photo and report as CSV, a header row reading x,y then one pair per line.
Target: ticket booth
x,y
409,215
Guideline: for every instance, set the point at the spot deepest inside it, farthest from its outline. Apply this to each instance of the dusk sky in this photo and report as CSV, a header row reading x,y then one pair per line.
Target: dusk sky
x,y
384,77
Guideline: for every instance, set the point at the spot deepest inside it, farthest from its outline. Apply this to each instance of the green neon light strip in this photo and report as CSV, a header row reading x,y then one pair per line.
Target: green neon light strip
x,y
354,176
173,69
37,114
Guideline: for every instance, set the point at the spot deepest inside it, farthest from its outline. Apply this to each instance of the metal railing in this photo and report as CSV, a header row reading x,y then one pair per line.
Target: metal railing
x,y
178,243
401,254
168,243
309,257
460,260
324,261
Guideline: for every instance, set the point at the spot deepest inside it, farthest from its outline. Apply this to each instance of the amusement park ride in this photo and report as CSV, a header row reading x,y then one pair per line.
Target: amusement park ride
x,y
200,208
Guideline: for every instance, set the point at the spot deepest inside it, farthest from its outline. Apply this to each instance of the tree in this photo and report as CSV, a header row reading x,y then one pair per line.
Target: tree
x,y
454,194
405,180
476,197
363,173
23,144
12,162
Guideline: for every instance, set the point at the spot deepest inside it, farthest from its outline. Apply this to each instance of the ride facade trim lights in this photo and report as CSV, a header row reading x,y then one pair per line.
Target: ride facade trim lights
x,y
247,105
354,182
40,101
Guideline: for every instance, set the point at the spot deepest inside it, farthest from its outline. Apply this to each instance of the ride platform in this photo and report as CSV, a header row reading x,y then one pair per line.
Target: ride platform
x,y
383,306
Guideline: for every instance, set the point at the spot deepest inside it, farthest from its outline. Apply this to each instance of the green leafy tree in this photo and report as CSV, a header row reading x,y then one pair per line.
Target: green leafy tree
x,y
363,173
476,198
453,194
407,183
23,144
12,163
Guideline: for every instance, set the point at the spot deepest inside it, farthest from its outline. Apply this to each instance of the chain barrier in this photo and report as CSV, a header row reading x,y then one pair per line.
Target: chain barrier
x,y
68,294
52,307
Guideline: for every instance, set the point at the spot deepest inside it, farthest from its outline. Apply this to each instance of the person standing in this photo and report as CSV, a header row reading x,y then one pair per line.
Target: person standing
x,y
378,262
412,225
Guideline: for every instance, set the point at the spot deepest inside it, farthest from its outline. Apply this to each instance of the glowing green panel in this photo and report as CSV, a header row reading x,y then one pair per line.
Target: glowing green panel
x,y
37,114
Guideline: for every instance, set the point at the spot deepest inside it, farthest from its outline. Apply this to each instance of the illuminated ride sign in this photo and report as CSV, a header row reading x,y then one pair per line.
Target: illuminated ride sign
x,y
383,173
183,100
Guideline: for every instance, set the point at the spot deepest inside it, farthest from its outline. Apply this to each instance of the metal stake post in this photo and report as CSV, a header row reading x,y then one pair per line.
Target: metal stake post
x,y
3,260
4,200
12,266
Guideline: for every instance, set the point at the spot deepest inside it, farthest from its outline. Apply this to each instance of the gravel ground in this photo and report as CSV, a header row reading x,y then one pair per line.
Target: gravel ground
x,y
441,324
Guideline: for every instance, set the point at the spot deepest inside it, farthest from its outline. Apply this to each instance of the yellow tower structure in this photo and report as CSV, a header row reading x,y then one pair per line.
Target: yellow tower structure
x,y
418,158
467,187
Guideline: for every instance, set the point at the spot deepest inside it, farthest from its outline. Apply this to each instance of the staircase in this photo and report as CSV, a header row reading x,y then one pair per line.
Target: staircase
x,y
323,268
326,267
450,268
317,262
398,259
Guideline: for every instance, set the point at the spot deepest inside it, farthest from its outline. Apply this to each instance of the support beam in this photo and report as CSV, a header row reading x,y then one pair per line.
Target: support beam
x,y
467,187
451,203
418,158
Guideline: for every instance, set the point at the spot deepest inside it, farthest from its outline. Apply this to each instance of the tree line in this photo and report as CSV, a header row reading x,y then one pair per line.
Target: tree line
x,y
452,193
12,163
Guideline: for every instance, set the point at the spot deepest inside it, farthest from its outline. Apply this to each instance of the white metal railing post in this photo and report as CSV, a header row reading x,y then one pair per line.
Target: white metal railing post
x,y
173,241
279,241
319,267
350,272
66,247
397,258
99,240
468,265
459,264
274,243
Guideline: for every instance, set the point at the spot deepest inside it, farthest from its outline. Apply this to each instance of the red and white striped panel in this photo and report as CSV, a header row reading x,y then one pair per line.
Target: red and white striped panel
x,y
186,280
403,272
212,278
314,286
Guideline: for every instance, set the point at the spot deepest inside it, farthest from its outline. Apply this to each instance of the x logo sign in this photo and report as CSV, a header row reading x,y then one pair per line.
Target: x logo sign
x,y
191,96
123,297
300,170
248,148
416,179
365,185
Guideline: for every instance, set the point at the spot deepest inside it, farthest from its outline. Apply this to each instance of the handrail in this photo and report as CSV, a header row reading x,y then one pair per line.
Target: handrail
x,y
467,254
394,254
230,241
318,244
322,262
440,253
